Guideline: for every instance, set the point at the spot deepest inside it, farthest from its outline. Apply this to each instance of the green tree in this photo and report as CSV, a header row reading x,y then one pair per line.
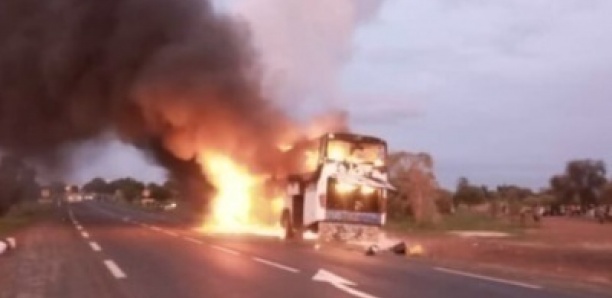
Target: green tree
x,y
98,185
562,189
587,177
513,192
606,196
469,194
129,188
582,182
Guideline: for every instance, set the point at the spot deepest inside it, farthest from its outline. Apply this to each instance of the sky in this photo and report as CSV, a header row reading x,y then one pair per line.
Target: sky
x,y
498,91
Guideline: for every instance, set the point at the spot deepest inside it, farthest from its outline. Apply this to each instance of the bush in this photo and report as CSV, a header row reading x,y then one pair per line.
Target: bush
x,y
21,214
461,220
444,202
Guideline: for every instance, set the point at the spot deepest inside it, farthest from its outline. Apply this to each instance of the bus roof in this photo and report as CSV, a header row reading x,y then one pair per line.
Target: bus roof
x,y
353,137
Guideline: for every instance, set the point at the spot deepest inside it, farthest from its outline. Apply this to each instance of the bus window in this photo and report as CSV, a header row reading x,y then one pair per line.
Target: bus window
x,y
356,152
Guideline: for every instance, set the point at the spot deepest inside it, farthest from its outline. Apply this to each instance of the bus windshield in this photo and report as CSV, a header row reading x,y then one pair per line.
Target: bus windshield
x,y
346,197
355,152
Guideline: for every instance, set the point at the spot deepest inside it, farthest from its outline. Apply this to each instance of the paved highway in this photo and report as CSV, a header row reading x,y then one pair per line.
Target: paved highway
x,y
130,253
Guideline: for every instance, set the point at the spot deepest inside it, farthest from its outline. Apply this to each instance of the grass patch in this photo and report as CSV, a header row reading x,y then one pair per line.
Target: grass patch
x,y
21,215
461,220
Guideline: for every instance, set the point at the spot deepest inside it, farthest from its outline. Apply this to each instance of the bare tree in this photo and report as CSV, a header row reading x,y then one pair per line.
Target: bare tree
x,y
413,175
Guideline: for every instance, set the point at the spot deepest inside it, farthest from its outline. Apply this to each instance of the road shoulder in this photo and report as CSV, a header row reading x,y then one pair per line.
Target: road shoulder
x,y
52,261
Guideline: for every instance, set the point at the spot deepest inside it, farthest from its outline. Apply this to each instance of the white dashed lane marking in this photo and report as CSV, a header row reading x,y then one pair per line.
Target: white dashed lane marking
x,y
225,250
488,278
85,234
193,240
95,246
170,233
276,265
114,269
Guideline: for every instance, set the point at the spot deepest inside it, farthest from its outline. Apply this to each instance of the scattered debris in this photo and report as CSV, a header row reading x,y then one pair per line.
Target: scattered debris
x,y
372,250
399,249
416,250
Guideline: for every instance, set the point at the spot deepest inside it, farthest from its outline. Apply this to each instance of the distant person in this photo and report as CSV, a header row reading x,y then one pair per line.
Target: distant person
x,y
538,213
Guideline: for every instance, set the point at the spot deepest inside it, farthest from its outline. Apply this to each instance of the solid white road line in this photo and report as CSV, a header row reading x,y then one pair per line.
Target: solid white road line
x,y
488,278
114,269
170,233
196,241
85,234
226,250
95,246
276,265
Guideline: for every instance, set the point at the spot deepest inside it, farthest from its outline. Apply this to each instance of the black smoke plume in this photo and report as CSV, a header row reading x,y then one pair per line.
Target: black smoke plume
x,y
168,76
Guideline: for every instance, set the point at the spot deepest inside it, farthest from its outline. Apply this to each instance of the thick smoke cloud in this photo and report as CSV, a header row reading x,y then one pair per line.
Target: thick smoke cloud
x,y
305,45
168,76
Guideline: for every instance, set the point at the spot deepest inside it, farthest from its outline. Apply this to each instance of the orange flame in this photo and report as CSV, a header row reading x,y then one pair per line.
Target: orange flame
x,y
243,203
238,207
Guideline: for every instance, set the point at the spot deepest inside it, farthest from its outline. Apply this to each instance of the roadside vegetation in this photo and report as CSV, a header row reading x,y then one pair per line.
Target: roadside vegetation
x,y
134,193
18,191
21,215
23,199
464,220
420,204
17,182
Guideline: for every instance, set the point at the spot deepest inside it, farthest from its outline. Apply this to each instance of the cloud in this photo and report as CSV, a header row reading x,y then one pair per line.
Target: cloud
x,y
516,85
304,45
371,109
113,160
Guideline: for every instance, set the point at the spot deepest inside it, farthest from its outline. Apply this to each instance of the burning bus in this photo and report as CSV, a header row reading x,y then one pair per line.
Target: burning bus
x,y
343,196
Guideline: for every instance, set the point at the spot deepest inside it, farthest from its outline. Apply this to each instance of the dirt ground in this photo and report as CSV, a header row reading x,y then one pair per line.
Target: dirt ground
x,y
572,248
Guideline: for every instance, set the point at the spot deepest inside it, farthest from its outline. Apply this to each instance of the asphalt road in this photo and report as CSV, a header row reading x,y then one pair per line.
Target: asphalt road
x,y
130,253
